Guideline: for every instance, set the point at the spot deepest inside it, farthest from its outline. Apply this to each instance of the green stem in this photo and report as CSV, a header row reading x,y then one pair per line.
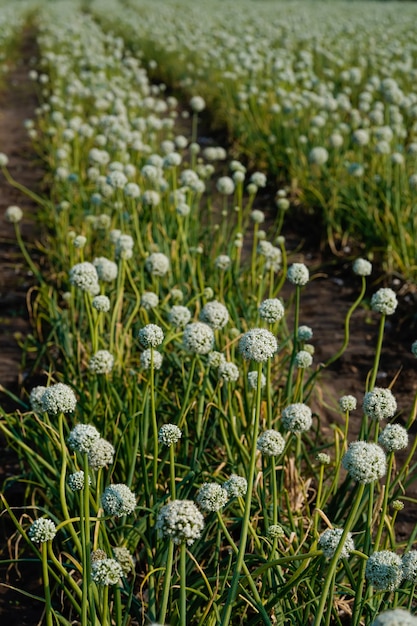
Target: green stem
x,y
248,501
183,584
46,587
333,563
384,503
167,582
377,353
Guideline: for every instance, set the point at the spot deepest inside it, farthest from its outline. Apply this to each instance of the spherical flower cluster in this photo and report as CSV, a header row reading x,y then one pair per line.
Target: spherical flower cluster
x,y
257,216
118,500
58,398
101,304
151,336
169,434
409,566
157,264
303,359
83,437
318,155
384,570
362,267
329,542
222,262
384,301
124,559
365,461
42,530
258,345
84,276
124,246
297,418
215,315
225,185
179,316
35,398
236,486
347,403
180,521
275,531
270,443
149,300
197,104
101,362
106,572
106,269
76,481
323,458
298,274
395,617
198,338
379,404
253,380
101,454
271,310
212,497
14,214
215,359
394,437
304,333
151,358
229,372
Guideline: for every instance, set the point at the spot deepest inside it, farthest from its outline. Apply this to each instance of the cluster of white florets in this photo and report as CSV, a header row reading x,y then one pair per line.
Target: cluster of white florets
x,y
212,497
329,542
118,500
297,418
258,345
271,443
180,521
365,461
101,362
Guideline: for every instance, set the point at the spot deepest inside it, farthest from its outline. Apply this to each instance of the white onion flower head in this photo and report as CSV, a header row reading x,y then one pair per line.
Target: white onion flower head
x,y
379,404
215,314
271,310
101,304
258,179
276,531
258,345
76,480
124,247
151,336
118,500
157,264
409,566
169,434
347,403
179,316
59,398
394,437
270,443
236,486
365,462
101,362
303,359
229,372
395,617
83,437
257,216
149,300
42,530
215,358
212,497
106,269
318,155
223,262
4,159
384,570
304,333
198,338
35,398
84,276
197,104
180,521
329,542
125,559
151,358
106,572
297,418
13,214
225,185
101,454
362,267
253,380
384,301
298,274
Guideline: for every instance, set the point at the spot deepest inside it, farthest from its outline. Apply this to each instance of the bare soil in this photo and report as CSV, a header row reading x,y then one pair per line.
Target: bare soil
x,y
325,302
